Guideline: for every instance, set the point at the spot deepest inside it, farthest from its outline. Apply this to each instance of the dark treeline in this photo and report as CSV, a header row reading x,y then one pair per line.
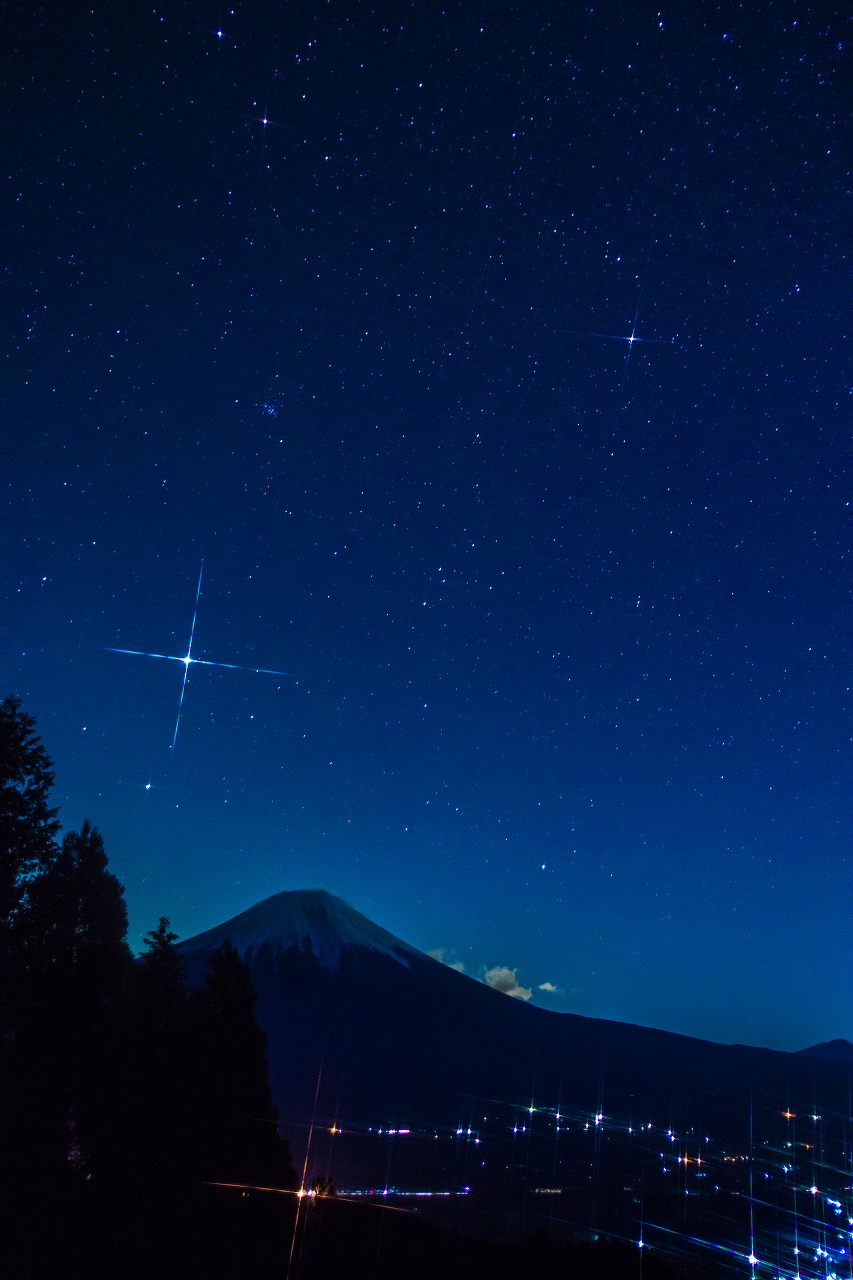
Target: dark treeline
x,y
123,1091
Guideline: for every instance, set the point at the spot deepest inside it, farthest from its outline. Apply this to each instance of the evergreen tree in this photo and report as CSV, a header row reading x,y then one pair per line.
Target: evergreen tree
x,y
71,967
28,827
73,933
75,918
32,1140
241,1140
160,1106
63,959
163,979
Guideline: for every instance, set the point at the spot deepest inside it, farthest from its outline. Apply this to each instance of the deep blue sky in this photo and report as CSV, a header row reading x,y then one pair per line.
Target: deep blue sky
x,y
564,614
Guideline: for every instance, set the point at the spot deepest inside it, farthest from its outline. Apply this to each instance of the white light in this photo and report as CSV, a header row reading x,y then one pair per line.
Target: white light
x,y
189,660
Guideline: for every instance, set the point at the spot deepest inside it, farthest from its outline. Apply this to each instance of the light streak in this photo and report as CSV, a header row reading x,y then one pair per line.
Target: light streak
x,y
188,658
189,661
304,1193
630,338
308,1193
254,1186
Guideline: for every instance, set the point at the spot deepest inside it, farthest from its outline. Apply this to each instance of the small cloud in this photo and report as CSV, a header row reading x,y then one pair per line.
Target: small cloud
x,y
549,987
503,979
440,954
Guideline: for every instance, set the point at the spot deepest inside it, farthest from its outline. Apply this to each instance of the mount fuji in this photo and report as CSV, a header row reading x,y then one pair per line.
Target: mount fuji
x,y
389,1032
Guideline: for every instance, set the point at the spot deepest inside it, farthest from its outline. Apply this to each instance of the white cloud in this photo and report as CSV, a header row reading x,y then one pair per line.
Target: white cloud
x,y
501,978
440,954
504,979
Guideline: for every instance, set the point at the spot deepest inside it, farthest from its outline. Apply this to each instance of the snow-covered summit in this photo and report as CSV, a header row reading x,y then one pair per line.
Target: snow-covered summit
x,y
309,919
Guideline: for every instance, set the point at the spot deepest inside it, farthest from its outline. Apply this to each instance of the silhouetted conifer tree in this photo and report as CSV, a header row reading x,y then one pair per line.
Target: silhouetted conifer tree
x,y
32,1138
240,1138
162,977
198,1103
28,827
159,1111
73,935
63,961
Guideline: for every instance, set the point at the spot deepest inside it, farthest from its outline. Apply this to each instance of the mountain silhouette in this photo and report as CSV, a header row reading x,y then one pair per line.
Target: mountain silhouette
x,y
837,1050
393,1033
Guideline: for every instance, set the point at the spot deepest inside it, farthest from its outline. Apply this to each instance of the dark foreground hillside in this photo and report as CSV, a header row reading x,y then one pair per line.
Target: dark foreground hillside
x,y
222,1234
359,1243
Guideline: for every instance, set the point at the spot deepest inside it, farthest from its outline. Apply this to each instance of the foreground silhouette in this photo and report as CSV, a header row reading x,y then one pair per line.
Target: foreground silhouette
x,y
123,1089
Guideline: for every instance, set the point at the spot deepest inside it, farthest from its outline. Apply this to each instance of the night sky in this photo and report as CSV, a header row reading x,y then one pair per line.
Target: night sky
x,y
335,297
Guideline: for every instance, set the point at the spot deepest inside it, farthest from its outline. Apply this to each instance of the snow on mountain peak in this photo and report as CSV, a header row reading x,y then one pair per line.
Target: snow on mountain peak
x,y
310,919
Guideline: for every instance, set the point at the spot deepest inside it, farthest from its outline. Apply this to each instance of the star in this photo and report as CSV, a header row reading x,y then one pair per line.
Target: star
x,y
188,660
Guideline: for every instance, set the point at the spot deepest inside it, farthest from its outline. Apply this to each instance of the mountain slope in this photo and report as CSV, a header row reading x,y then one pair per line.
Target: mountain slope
x,y
836,1050
393,1029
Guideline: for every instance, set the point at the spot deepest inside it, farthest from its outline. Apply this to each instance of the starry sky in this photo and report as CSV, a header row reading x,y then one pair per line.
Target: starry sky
x,y
335,297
